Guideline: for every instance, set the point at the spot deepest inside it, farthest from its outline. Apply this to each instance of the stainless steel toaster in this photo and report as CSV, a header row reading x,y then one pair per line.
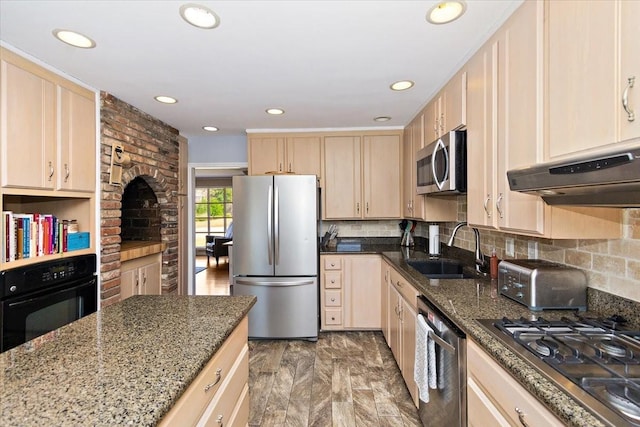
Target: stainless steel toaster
x,y
541,284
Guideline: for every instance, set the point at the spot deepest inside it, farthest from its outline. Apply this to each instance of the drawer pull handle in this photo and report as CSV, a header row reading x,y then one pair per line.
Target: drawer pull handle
x,y
333,265
399,284
333,300
219,420
213,384
625,99
333,318
333,281
521,415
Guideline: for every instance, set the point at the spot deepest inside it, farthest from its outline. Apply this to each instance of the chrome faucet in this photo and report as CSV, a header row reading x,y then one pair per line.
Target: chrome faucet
x,y
481,262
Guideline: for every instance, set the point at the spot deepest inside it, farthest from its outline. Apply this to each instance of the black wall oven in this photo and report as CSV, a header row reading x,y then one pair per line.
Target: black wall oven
x,y
40,298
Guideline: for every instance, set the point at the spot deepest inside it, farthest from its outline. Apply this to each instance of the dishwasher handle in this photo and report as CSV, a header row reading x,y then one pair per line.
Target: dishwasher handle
x,y
442,343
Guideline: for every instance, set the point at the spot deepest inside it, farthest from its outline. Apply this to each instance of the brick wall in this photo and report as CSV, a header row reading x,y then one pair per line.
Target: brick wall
x,y
153,147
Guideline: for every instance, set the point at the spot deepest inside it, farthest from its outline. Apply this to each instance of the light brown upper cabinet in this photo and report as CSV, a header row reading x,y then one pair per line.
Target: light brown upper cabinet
x,y
297,154
448,110
362,176
592,52
49,129
77,162
505,131
28,151
417,206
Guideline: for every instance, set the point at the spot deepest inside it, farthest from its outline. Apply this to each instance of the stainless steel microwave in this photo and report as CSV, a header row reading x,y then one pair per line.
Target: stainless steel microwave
x,y
442,165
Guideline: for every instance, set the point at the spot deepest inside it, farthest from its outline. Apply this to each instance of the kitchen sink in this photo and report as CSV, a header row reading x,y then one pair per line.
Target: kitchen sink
x,y
443,268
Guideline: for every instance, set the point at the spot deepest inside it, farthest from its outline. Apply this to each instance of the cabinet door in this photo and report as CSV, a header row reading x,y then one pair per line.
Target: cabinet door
x,y
381,159
630,67
583,97
77,160
150,279
303,155
520,142
28,123
408,185
394,324
384,300
362,292
481,140
266,154
408,342
431,120
455,102
342,194
128,283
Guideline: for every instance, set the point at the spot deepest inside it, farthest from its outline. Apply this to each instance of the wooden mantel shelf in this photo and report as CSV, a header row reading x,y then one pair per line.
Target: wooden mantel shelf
x,y
138,249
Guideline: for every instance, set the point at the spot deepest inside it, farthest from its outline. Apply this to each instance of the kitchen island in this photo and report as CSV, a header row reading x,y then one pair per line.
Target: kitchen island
x,y
127,364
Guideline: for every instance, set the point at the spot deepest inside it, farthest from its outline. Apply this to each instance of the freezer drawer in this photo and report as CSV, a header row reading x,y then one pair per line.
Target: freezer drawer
x,y
286,307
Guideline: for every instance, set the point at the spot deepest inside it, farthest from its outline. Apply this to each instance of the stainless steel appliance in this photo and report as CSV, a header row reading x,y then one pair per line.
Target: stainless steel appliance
x,y
447,404
540,284
40,298
275,253
596,361
442,165
605,179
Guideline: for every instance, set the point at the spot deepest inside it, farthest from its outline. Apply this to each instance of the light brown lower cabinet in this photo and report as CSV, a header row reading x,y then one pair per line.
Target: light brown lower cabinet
x,y
141,276
402,311
219,395
350,292
495,398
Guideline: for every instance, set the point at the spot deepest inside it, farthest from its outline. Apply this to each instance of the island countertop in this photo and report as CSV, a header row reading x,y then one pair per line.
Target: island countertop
x,y
124,365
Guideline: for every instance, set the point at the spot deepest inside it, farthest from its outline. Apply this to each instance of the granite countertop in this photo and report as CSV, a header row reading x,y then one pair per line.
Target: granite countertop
x,y
124,365
464,301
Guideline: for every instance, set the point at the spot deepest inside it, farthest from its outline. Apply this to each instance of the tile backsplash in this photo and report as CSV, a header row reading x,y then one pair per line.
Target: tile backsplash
x,y
612,266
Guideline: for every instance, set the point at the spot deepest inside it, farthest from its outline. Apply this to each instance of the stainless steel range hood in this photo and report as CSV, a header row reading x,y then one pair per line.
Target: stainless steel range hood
x,y
609,179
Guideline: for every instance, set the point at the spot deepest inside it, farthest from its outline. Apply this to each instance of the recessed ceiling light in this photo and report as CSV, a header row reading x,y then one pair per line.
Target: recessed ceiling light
x,y
446,11
165,99
275,111
199,16
382,119
74,39
402,85
210,128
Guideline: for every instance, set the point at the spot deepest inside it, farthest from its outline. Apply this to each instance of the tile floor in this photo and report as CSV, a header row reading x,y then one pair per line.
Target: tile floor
x,y
345,379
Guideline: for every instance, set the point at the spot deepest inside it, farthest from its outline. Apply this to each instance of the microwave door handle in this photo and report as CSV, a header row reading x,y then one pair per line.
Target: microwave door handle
x,y
439,145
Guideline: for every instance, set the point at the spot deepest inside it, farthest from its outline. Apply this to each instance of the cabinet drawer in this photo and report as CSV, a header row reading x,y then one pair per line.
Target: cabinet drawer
x,y
222,407
332,298
332,279
504,391
208,384
408,292
333,317
332,262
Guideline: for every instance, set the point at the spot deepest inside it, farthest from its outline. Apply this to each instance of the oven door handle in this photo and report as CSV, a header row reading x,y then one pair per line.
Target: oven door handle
x,y
442,343
91,282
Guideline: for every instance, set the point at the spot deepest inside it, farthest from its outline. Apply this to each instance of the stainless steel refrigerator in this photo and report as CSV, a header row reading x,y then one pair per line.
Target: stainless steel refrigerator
x,y
275,253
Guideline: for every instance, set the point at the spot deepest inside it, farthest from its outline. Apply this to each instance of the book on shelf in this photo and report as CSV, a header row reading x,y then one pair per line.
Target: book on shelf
x,y
29,235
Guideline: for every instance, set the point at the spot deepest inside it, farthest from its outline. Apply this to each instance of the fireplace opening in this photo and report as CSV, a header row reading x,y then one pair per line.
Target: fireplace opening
x,y
140,219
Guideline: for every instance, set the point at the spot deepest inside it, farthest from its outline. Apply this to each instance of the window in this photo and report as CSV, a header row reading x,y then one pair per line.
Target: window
x,y
214,212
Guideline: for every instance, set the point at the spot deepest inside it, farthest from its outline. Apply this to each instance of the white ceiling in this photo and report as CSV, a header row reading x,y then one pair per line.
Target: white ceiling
x,y
328,64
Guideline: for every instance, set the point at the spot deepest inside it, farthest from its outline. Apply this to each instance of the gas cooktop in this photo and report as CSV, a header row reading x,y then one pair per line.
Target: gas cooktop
x,y
599,356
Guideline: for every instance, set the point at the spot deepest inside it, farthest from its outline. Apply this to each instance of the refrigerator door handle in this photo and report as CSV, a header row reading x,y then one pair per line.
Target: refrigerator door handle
x,y
270,225
276,225
274,283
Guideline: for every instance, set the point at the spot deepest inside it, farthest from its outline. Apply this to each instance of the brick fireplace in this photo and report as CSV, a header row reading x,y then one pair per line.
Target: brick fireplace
x,y
152,214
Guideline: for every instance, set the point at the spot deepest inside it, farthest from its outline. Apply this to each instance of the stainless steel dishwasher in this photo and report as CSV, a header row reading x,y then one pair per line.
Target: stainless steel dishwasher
x,y
447,404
